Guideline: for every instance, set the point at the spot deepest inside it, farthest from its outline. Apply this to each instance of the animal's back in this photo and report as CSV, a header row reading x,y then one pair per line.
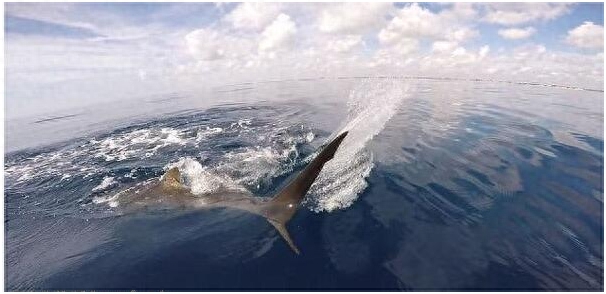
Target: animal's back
x,y
169,192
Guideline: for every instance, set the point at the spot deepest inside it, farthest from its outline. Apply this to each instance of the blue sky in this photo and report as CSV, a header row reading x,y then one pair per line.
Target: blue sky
x,y
195,15
67,53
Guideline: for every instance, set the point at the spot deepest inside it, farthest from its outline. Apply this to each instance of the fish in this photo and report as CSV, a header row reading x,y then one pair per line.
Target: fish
x,y
169,192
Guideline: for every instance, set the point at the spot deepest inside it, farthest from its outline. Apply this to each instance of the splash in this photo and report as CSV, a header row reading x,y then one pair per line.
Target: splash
x,y
202,179
245,168
106,183
138,143
370,106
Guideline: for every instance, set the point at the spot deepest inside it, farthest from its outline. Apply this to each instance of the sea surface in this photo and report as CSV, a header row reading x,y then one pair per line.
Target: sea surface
x,y
440,185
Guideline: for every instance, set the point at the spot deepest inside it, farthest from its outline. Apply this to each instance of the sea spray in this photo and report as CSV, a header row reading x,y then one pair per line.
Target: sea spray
x,y
246,168
369,107
202,179
106,183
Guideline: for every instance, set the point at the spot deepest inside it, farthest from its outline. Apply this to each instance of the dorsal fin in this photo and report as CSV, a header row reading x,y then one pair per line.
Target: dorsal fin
x,y
295,191
172,178
280,209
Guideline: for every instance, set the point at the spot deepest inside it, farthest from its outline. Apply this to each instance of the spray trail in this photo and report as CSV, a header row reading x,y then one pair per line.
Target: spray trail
x,y
370,106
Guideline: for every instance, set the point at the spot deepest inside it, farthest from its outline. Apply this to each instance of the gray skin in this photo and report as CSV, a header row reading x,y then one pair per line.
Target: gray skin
x,y
168,192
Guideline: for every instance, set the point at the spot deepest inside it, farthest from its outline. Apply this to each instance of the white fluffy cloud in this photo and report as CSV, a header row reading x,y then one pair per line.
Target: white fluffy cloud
x,y
411,21
209,44
521,13
461,34
443,46
251,15
279,33
484,51
212,44
256,41
319,40
344,44
587,35
536,63
517,33
461,11
353,18
414,21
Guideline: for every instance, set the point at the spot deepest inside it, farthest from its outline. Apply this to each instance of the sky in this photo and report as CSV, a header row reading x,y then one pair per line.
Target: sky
x,y
59,55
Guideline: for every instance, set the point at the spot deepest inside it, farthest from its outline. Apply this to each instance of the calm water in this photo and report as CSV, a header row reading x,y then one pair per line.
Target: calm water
x,y
440,185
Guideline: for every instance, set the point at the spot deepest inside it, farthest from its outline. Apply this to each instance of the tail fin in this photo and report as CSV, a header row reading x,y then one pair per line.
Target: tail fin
x,y
283,206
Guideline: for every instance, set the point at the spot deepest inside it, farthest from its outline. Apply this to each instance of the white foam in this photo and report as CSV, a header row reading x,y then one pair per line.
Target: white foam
x,y
310,137
111,200
62,164
106,183
208,131
243,167
370,106
201,179
252,165
244,123
139,143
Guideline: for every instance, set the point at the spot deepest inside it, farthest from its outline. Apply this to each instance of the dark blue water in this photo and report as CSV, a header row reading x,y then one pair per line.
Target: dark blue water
x,y
442,185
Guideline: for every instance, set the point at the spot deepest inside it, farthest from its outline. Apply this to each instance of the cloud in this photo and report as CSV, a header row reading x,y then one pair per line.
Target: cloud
x,y
250,15
353,18
278,34
461,11
517,33
450,58
48,73
461,34
484,51
521,13
57,13
587,35
443,46
414,21
344,44
400,54
27,26
252,41
210,44
536,63
115,21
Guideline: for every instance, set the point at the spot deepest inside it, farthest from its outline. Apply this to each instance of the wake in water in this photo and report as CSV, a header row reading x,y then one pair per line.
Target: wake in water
x,y
240,148
369,108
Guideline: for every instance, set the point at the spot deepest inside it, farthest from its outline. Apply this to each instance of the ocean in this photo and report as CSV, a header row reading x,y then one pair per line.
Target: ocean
x,y
440,185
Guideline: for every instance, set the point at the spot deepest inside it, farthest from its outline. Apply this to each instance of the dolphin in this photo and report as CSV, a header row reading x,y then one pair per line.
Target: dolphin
x,y
168,191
